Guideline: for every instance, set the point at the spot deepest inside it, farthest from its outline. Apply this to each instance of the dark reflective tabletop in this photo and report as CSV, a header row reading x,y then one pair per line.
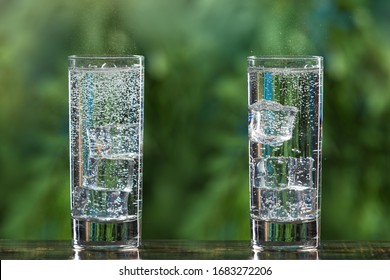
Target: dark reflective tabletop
x,y
192,250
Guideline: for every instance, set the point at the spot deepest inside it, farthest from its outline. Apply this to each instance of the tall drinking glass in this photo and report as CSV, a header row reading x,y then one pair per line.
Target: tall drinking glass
x,y
285,143
106,147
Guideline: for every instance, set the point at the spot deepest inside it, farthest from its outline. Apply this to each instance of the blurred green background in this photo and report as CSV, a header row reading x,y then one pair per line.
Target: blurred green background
x,y
195,155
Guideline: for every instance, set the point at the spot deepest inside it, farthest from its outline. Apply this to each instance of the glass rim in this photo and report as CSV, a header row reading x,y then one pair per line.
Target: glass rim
x,y
105,57
285,57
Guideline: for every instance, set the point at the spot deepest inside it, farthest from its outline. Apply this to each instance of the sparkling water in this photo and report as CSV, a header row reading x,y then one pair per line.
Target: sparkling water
x,y
106,132
284,154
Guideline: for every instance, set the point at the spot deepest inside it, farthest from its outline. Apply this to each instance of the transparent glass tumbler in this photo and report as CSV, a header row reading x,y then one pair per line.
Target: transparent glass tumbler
x,y
106,147
285,146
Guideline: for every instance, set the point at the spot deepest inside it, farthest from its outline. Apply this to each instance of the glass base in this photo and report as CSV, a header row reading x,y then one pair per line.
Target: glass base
x,y
95,235
278,236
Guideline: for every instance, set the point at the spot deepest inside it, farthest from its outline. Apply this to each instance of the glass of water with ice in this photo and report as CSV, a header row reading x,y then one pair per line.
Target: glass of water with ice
x,y
106,147
285,144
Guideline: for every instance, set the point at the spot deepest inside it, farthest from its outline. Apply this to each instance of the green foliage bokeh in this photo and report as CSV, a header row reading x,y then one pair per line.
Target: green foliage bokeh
x,y
195,149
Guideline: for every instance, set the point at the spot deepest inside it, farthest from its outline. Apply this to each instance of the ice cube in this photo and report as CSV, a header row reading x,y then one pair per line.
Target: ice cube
x,y
114,141
125,140
271,172
101,204
301,172
287,204
271,123
280,172
99,141
111,174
